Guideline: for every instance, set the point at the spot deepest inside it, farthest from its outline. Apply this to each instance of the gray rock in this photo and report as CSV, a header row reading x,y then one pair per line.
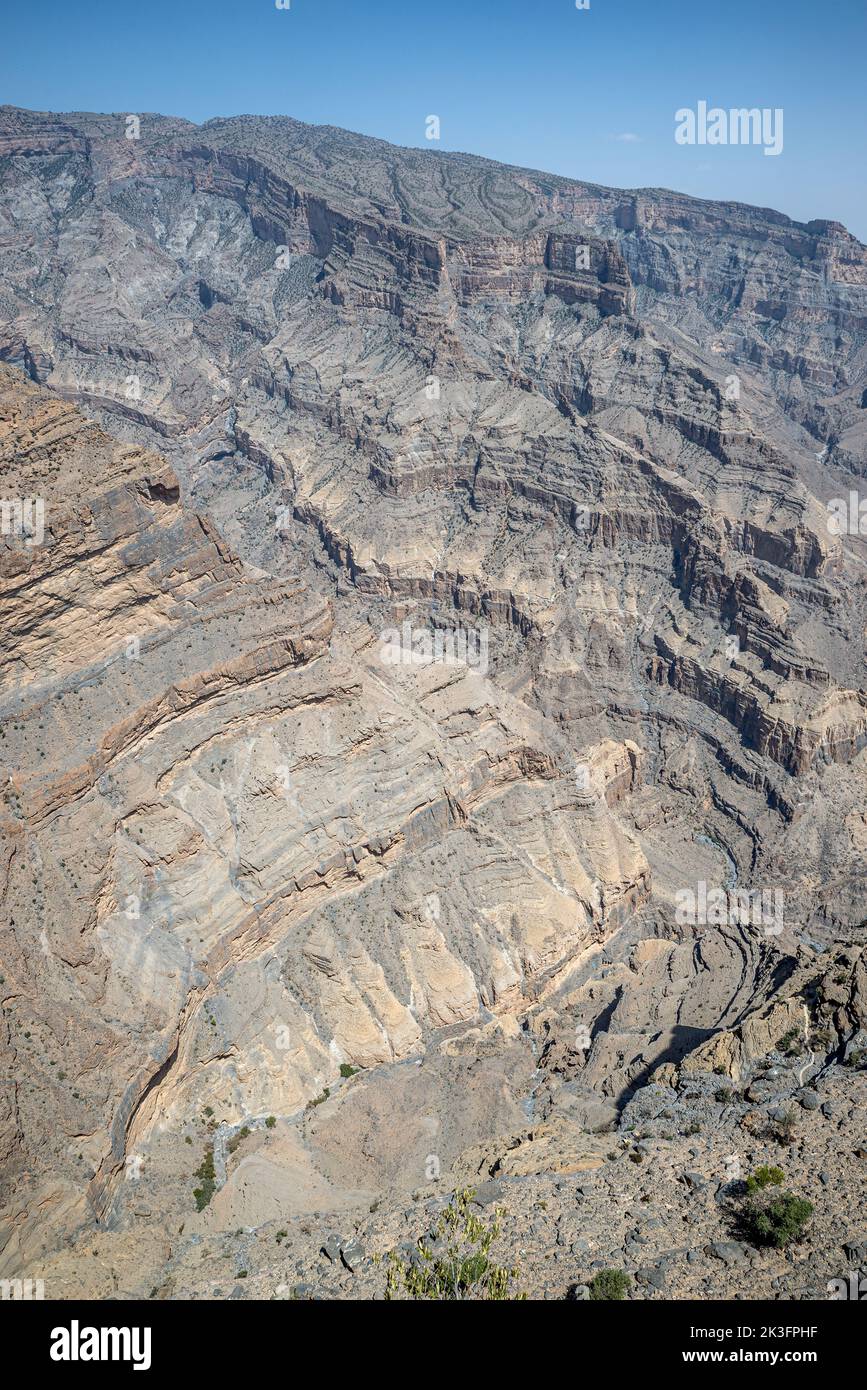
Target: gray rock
x,y
353,1254
731,1252
489,1192
856,1251
331,1248
760,1091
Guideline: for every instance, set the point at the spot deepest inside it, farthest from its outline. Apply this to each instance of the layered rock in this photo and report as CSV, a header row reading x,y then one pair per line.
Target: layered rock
x,y
451,597
232,834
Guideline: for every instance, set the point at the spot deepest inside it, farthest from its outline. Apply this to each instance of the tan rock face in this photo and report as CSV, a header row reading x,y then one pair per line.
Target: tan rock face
x,y
444,598
242,842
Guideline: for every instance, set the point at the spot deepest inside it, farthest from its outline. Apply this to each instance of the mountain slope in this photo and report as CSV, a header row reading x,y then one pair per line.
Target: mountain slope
x,y
443,597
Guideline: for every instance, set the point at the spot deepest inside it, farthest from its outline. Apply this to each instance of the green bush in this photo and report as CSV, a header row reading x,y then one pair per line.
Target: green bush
x,y
346,1070
765,1177
609,1285
208,1178
462,1269
270,1122
777,1222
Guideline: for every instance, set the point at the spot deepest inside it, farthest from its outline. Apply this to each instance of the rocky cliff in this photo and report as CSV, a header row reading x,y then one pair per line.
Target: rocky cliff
x,y
434,609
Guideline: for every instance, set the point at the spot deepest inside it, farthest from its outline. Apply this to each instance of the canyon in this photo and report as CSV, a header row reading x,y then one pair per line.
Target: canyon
x,y
437,584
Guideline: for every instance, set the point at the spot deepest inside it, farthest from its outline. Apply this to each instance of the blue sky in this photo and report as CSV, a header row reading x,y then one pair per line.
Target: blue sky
x,y
590,93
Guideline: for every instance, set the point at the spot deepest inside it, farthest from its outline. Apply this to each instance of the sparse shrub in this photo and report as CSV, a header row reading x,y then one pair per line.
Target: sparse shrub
x,y
765,1177
270,1122
768,1216
346,1070
319,1100
783,1127
791,1044
208,1178
776,1222
233,1143
463,1269
609,1285
723,1095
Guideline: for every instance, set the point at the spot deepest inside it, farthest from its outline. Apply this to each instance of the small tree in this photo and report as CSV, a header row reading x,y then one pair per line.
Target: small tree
x,y
770,1217
462,1269
779,1222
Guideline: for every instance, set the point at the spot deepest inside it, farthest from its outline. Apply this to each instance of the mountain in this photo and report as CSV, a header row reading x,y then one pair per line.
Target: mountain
x,y
433,713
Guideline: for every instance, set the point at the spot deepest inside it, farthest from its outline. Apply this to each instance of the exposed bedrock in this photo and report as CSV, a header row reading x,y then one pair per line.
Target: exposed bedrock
x,y
433,607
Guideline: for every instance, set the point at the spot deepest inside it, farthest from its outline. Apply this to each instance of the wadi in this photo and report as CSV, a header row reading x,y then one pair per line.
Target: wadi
x,y
424,812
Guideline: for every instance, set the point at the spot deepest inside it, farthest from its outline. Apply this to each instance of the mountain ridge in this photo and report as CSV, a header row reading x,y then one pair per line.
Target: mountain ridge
x,y
245,121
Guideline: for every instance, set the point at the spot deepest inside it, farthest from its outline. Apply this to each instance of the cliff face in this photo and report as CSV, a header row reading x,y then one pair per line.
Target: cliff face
x,y
787,297
442,584
230,832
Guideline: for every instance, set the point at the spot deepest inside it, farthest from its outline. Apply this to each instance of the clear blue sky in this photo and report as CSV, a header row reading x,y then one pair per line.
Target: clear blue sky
x,y
591,94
